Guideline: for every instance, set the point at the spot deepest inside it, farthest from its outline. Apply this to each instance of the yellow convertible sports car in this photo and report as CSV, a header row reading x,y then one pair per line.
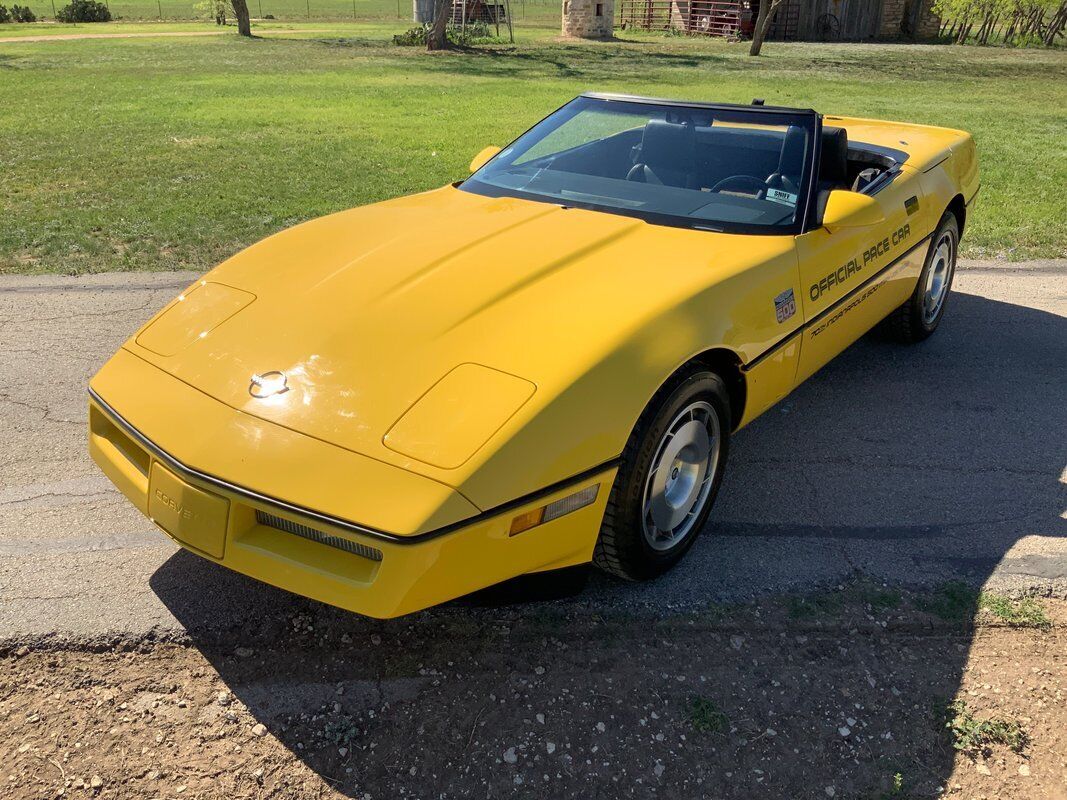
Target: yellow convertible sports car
x,y
534,368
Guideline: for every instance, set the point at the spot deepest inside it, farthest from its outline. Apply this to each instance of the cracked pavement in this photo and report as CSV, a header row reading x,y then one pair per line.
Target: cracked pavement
x,y
910,465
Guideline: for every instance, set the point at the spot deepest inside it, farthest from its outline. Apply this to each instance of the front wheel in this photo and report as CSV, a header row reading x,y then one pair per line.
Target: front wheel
x,y
922,312
669,476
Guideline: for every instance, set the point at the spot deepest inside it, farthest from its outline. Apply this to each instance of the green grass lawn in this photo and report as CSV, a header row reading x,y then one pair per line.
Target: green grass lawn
x,y
173,153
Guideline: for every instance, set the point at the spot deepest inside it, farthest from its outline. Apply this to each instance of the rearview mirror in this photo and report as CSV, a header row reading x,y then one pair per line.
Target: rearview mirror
x,y
851,210
483,157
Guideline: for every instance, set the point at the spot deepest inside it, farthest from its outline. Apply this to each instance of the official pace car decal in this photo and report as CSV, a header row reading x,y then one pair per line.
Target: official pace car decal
x,y
829,321
845,272
785,305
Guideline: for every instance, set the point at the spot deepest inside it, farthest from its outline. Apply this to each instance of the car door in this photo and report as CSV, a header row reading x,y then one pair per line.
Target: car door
x,y
853,276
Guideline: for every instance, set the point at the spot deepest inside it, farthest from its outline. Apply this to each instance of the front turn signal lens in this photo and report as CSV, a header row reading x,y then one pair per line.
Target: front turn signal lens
x,y
554,510
527,520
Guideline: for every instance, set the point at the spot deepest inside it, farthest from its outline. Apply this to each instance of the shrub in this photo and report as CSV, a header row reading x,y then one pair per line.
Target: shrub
x,y
473,33
212,9
84,11
17,14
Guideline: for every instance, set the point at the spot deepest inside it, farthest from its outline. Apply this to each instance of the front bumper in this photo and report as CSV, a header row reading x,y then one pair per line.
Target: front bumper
x,y
253,514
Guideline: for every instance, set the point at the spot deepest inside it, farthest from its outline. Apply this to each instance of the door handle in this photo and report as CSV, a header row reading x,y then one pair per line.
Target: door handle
x,y
911,205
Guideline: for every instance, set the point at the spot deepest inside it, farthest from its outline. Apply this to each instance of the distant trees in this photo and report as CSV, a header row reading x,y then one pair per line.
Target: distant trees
x,y
1006,21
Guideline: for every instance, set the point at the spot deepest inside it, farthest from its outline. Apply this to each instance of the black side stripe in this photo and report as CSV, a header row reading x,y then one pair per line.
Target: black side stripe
x,y
308,514
832,307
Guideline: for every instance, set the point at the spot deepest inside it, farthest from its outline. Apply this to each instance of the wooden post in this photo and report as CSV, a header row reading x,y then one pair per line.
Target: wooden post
x,y
309,10
507,10
159,5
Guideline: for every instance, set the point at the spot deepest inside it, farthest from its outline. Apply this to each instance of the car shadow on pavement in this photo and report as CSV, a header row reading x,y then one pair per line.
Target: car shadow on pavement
x,y
895,467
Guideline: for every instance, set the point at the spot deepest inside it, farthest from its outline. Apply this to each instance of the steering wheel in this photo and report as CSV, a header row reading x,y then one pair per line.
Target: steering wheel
x,y
741,182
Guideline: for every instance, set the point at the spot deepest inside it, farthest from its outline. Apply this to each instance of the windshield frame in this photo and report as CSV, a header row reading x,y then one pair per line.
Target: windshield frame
x,y
809,118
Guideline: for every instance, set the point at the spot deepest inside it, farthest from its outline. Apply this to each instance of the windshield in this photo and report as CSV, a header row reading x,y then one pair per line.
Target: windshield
x,y
700,167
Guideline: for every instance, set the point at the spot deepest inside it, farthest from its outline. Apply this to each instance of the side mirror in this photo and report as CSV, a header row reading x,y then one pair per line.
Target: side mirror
x,y
483,157
851,210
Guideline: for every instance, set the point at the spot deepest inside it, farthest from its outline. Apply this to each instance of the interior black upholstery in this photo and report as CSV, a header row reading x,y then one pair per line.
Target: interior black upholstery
x,y
667,154
786,176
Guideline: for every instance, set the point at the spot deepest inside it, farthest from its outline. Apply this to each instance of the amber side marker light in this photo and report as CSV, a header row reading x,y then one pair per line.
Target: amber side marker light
x,y
554,510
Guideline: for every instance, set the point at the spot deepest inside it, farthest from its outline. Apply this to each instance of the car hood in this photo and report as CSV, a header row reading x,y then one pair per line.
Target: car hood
x,y
366,310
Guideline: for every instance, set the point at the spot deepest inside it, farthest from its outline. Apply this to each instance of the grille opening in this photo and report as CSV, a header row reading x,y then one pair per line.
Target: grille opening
x,y
104,428
295,528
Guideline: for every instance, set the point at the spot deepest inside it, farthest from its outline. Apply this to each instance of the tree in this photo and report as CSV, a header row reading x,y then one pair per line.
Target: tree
x,y
438,38
244,23
763,22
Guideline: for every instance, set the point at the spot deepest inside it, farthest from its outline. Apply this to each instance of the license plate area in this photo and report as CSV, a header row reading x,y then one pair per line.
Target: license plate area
x,y
192,516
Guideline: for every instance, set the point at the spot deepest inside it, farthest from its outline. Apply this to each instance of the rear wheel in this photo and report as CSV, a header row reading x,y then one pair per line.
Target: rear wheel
x,y
921,314
669,476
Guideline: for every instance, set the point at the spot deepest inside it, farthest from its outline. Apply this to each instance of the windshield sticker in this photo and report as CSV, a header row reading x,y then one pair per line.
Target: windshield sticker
x,y
783,197
785,305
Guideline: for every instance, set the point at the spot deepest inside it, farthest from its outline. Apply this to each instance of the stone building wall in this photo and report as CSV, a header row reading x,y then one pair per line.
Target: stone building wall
x,y
895,12
589,19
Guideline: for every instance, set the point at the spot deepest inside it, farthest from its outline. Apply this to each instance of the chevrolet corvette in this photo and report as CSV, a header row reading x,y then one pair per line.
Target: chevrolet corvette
x,y
537,367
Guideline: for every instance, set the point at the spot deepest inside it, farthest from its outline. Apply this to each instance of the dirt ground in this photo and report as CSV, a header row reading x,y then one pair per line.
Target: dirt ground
x,y
844,694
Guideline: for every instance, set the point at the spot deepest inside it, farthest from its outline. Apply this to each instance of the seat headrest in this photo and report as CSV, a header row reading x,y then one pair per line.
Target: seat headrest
x,y
833,158
792,158
667,145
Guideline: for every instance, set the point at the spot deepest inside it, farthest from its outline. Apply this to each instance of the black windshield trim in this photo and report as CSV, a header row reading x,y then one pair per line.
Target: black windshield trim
x,y
662,101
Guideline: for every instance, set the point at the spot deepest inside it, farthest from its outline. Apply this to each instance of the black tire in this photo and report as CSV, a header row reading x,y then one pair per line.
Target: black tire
x,y
911,323
622,548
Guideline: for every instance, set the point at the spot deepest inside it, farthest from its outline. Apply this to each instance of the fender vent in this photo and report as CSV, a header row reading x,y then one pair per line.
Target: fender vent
x,y
271,521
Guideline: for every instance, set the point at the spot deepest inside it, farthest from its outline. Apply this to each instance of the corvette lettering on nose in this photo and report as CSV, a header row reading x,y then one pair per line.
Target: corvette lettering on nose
x,y
180,509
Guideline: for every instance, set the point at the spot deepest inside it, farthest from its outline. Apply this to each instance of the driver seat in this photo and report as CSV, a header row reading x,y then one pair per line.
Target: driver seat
x,y
666,155
790,161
